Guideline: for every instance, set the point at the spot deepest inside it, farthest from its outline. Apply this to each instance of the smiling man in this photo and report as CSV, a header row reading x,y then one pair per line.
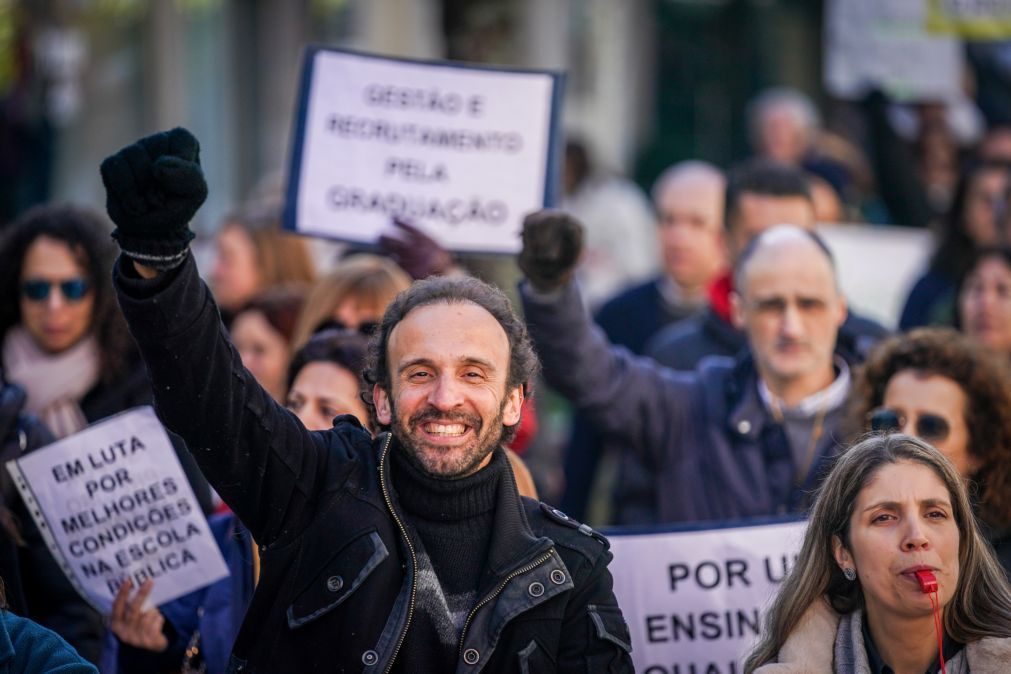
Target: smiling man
x,y
410,552
735,438
446,394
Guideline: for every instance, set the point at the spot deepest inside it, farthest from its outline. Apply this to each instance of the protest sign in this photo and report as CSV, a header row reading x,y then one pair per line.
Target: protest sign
x,y
877,265
693,598
463,152
113,503
884,44
972,19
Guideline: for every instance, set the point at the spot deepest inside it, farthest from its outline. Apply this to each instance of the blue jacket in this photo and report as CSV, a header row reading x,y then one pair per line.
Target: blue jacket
x,y
634,498
930,302
651,311
215,610
29,648
715,450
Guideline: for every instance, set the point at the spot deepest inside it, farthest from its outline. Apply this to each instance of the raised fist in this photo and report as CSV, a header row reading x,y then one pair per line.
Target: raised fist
x,y
552,244
153,189
417,253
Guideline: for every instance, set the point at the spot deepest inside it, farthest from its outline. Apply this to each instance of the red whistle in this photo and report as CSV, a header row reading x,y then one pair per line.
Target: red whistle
x,y
928,582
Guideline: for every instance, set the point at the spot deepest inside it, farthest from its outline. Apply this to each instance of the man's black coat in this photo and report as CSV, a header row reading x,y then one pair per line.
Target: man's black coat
x,y
337,588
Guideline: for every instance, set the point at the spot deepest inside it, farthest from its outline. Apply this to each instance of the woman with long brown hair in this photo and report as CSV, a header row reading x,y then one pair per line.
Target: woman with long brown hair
x,y
893,510
253,254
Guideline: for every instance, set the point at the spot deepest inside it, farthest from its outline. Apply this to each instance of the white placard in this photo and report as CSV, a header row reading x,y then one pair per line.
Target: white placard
x,y
885,44
877,266
113,503
693,600
463,152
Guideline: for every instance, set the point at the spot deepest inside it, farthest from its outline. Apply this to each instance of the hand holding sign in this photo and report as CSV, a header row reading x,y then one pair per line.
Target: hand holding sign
x,y
417,253
132,623
114,506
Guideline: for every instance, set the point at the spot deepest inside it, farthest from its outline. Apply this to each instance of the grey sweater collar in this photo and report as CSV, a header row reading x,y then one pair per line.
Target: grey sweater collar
x,y
851,651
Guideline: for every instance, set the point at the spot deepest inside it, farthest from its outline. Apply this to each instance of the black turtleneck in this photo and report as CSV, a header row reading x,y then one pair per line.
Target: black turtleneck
x,y
453,520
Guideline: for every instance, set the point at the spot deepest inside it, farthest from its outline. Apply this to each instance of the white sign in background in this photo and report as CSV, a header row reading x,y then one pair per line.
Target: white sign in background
x,y
884,44
877,265
461,152
694,600
113,503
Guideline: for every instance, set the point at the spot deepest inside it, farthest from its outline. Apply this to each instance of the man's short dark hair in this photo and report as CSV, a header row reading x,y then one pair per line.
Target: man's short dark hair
x,y
523,363
763,177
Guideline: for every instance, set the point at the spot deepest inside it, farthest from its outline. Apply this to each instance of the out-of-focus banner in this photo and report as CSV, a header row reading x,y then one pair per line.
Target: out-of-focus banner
x,y
877,265
884,44
113,503
972,19
694,597
463,152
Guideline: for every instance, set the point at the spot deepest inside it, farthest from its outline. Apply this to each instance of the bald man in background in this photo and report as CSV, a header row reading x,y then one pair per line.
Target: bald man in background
x,y
688,198
759,195
740,437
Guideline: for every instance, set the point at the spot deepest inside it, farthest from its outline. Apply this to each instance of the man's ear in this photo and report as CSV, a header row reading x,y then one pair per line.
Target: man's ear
x,y
724,248
381,400
513,407
728,246
737,310
844,310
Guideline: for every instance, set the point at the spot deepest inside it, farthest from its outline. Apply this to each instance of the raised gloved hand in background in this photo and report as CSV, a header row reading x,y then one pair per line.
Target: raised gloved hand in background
x,y
552,245
153,188
417,253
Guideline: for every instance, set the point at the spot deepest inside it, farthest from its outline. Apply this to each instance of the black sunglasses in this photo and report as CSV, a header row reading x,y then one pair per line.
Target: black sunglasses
x,y
367,328
929,427
37,290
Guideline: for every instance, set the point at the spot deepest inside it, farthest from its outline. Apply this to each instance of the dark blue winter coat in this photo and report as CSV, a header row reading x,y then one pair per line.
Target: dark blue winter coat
x,y
714,448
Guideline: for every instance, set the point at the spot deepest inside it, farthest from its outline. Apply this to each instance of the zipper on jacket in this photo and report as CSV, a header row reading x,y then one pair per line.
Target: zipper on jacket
x,y
410,548
498,590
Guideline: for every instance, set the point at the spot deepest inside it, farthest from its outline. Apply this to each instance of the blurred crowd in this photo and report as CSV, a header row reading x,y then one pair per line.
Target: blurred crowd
x,y
701,363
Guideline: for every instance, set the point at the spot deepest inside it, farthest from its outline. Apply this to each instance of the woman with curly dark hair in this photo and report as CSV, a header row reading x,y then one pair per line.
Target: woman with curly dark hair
x,y
64,340
941,386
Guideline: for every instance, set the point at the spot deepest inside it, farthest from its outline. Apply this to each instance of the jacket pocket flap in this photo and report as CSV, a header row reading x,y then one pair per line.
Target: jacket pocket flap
x,y
338,579
535,658
610,626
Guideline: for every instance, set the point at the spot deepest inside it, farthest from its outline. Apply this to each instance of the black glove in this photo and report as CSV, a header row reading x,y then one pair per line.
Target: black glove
x,y
552,244
417,253
153,189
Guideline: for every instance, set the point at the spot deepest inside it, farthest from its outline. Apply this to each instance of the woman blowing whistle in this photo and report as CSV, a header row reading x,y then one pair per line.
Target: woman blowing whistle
x,y
893,576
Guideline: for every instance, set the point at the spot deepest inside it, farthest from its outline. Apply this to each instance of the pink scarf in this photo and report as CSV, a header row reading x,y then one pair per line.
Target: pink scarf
x,y
55,383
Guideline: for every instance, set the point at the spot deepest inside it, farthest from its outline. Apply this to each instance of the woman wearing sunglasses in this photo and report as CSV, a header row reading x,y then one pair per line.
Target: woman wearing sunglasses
x,y
353,296
942,387
64,340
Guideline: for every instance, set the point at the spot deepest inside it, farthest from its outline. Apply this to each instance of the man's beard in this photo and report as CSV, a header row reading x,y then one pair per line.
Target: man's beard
x,y
440,462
